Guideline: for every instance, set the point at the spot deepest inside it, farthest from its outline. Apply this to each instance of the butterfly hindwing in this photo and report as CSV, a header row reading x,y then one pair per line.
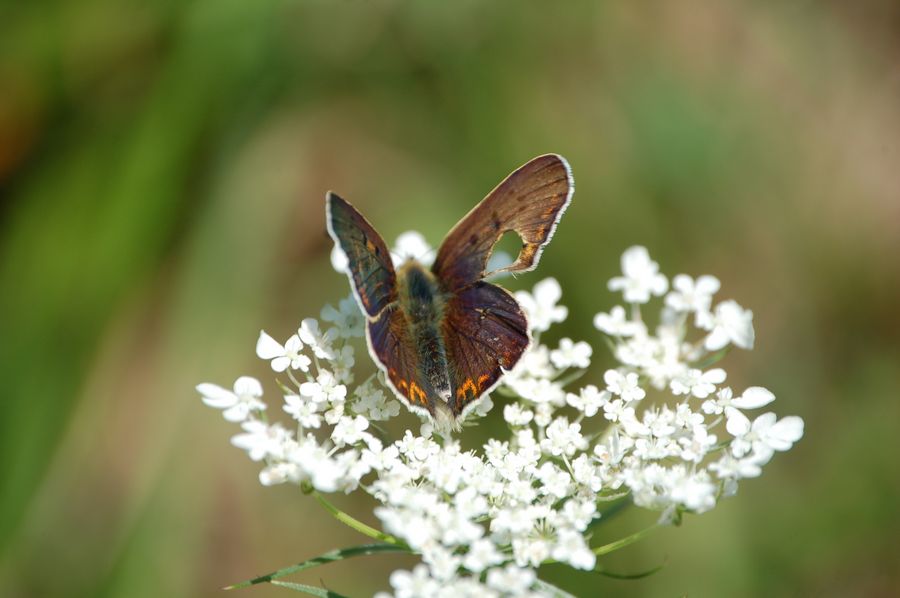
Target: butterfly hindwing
x,y
485,334
529,201
370,268
391,343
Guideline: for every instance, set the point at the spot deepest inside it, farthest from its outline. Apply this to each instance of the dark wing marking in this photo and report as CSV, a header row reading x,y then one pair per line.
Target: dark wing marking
x,y
392,346
370,269
530,201
485,334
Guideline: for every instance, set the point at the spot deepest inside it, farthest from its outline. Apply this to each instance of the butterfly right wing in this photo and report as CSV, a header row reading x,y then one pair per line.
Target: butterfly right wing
x,y
529,202
392,345
369,267
485,333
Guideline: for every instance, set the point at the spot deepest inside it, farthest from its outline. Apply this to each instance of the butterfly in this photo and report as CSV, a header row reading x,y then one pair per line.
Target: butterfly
x,y
444,337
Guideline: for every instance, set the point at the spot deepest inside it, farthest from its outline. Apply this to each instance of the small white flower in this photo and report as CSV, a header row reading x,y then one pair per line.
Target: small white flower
x,y
563,438
697,383
615,323
571,354
415,584
349,430
689,295
626,386
572,548
348,319
641,276
696,492
283,356
261,440
320,342
324,390
765,435
589,400
303,411
237,404
511,580
483,554
730,323
372,403
342,363
541,305
516,415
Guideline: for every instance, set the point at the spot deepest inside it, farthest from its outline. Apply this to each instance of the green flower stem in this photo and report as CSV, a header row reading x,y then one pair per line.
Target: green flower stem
x,y
613,546
356,524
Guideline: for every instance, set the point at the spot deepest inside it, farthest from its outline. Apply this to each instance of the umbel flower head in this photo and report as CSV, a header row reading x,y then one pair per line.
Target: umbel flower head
x,y
663,431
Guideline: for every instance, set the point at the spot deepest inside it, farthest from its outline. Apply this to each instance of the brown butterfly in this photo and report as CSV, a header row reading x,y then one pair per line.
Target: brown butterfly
x,y
444,336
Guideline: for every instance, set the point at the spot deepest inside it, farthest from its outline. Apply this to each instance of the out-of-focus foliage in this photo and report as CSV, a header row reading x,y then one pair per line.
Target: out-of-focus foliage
x,y
162,174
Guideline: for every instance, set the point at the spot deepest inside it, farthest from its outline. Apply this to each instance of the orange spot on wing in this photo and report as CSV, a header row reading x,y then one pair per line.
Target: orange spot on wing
x,y
481,380
468,385
401,384
416,394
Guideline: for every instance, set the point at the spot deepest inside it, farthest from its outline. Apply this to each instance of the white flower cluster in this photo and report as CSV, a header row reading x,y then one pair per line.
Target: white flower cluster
x,y
662,428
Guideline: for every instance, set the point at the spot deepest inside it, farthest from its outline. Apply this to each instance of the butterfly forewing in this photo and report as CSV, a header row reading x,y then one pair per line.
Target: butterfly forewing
x,y
485,333
529,202
369,265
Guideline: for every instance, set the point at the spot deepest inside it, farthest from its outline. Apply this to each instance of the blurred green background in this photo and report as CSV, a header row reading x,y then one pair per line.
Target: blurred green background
x,y
162,173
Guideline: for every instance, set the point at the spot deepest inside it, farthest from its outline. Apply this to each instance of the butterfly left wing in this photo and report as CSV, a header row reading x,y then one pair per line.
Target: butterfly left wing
x,y
392,345
369,267
530,201
485,334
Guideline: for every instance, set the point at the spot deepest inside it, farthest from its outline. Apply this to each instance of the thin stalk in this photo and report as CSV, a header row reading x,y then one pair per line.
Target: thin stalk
x,y
613,546
356,524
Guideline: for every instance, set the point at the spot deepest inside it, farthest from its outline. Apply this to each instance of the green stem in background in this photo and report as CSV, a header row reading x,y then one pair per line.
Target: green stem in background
x,y
613,546
356,524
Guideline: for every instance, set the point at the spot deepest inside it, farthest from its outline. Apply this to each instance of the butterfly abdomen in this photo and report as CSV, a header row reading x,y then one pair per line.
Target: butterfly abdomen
x,y
421,300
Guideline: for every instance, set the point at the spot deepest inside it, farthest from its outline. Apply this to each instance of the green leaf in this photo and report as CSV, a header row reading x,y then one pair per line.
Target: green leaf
x,y
328,557
312,590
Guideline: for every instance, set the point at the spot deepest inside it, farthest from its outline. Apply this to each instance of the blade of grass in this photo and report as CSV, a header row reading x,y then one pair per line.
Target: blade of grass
x,y
311,590
328,557
640,575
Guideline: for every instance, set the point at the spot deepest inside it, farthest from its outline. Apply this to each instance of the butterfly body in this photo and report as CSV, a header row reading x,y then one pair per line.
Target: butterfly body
x,y
422,302
443,336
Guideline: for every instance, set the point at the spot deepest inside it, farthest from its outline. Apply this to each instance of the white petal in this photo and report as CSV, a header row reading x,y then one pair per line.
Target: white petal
x,y
279,364
216,396
785,433
754,398
267,347
715,375
238,413
248,386
293,344
547,292
737,423
708,285
717,339
339,259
